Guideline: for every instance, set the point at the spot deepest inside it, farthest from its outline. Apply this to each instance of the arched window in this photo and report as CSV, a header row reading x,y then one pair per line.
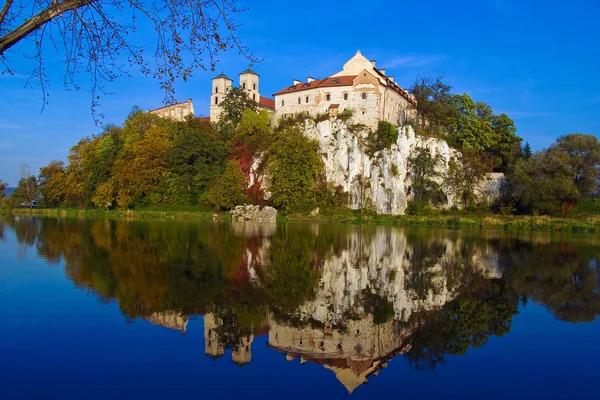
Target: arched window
x,y
254,86
216,100
217,89
254,96
244,85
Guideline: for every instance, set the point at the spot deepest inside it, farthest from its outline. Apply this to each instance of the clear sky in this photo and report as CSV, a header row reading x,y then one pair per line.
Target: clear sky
x,y
537,61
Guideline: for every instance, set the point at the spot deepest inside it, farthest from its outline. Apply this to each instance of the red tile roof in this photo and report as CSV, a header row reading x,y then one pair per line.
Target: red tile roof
x,y
204,119
321,83
267,103
397,88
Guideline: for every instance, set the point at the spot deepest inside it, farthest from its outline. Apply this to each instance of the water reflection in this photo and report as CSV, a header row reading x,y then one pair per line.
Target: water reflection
x,y
347,298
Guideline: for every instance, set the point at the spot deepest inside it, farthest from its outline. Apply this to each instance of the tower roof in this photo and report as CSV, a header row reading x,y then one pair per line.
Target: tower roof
x,y
222,76
249,71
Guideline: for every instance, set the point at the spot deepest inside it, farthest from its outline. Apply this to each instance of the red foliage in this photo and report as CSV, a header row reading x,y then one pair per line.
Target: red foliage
x,y
245,156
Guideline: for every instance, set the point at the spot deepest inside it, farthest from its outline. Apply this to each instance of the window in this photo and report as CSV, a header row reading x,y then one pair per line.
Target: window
x,y
335,81
244,85
364,95
345,96
328,97
306,85
307,99
299,100
216,100
216,90
254,96
254,86
282,103
307,113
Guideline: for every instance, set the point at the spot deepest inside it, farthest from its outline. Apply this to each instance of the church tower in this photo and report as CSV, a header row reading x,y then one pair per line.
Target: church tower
x,y
249,84
220,86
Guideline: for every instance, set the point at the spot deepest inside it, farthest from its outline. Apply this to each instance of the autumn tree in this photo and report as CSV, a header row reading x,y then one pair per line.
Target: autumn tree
x,y
52,183
228,189
235,102
100,38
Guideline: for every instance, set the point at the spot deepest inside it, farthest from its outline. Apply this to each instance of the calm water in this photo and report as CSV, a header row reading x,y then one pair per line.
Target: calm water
x,y
105,310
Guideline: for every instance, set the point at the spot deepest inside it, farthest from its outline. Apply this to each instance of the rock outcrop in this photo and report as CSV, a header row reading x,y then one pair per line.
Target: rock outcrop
x,y
254,213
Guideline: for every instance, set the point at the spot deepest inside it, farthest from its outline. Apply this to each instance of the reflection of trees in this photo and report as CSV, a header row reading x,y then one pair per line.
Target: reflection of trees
x,y
564,277
193,268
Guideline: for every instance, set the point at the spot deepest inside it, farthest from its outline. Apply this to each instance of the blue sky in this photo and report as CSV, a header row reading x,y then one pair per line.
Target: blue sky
x,y
536,61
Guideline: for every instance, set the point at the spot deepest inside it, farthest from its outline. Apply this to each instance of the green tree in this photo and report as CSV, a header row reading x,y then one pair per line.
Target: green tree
x,y
228,189
425,170
584,160
434,104
465,175
544,183
527,151
193,162
3,186
235,102
383,138
52,183
294,169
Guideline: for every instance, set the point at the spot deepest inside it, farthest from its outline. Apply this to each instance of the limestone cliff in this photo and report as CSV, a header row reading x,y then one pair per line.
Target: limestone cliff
x,y
381,182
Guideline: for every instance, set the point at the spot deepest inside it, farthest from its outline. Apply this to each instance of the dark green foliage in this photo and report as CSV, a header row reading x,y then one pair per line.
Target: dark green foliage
x,y
527,151
383,138
584,160
194,161
543,183
554,180
3,186
294,168
465,175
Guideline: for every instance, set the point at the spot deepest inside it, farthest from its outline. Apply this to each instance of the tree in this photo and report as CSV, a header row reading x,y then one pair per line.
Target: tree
x,y
232,109
434,106
228,190
294,170
543,183
99,37
425,176
3,186
527,151
465,175
52,183
584,160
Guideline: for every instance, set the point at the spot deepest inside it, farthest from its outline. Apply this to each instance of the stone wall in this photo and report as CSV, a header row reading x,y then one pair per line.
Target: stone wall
x,y
177,112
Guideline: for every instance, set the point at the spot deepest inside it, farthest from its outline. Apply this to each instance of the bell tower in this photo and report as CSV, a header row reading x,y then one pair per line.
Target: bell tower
x,y
249,84
220,86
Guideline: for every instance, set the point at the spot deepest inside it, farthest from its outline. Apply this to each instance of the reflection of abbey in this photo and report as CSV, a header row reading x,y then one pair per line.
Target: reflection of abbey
x,y
336,328
360,86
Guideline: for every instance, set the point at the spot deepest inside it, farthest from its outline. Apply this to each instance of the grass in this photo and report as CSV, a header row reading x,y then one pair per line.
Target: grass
x,y
588,223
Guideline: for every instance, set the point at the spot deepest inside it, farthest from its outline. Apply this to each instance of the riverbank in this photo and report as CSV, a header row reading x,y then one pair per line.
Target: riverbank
x,y
445,219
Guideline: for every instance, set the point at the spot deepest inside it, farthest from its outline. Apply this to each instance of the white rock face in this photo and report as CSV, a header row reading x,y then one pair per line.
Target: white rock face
x,y
382,182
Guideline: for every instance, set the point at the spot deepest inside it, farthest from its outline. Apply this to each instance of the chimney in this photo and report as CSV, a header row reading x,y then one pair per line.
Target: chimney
x,y
374,63
391,78
382,71
310,79
296,81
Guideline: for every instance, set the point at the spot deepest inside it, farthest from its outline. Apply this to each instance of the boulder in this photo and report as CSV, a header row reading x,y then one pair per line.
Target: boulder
x,y
254,213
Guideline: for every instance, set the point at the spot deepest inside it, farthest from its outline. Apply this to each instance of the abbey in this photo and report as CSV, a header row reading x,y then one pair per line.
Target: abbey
x,y
359,86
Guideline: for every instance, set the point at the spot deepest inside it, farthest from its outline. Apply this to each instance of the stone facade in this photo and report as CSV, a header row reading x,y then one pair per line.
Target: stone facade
x,y
360,86
177,111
